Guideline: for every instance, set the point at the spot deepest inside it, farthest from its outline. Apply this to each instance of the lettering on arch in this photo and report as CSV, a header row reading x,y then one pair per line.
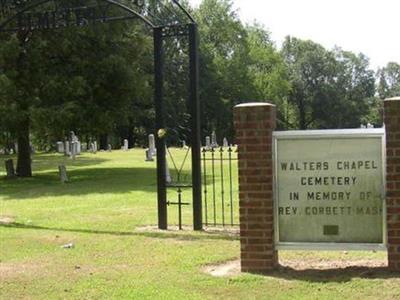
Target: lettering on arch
x,y
23,15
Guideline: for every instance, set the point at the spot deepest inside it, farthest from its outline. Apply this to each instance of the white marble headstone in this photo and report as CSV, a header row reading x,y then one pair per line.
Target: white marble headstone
x,y
208,143
226,144
168,178
214,143
60,147
149,156
67,148
152,144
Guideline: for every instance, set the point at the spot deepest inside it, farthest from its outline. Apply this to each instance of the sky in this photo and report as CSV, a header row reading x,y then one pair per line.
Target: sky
x,y
368,26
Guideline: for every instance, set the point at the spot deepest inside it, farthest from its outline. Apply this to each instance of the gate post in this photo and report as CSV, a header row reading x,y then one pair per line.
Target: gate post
x,y
392,125
195,121
254,125
160,126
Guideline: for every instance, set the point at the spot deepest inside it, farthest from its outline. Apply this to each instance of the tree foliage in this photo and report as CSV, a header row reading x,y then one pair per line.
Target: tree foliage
x,y
389,80
330,89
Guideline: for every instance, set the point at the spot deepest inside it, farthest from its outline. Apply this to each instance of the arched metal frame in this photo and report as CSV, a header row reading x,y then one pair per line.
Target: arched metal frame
x,y
166,19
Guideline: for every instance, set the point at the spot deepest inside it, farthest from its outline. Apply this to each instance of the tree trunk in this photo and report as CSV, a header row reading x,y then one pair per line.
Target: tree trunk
x,y
103,142
302,115
10,168
24,168
131,137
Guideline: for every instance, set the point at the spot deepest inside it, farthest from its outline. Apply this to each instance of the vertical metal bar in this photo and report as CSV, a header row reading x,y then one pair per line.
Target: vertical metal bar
x,y
230,183
160,126
213,183
195,118
221,151
205,185
180,208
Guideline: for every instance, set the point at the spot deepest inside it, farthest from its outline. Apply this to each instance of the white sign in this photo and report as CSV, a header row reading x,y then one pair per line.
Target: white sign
x,y
329,189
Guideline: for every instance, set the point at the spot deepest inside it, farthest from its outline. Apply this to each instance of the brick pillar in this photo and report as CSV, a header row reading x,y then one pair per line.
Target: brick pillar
x,y
392,124
254,125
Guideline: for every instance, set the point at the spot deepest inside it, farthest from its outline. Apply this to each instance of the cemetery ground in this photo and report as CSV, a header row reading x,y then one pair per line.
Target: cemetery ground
x,y
107,214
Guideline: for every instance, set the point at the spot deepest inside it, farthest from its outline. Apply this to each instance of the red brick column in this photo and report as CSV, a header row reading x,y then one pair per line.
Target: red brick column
x,y
392,124
254,124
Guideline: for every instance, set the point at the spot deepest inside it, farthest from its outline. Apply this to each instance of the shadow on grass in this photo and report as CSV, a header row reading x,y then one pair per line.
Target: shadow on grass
x,y
83,179
156,235
338,275
82,182
44,162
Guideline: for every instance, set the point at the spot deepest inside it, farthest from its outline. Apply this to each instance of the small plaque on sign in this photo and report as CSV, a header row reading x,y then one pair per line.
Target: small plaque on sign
x,y
331,230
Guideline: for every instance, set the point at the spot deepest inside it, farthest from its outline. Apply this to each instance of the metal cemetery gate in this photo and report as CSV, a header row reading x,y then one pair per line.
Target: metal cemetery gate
x,y
220,186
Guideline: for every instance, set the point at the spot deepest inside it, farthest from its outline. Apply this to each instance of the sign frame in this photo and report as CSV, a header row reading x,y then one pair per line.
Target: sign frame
x,y
319,135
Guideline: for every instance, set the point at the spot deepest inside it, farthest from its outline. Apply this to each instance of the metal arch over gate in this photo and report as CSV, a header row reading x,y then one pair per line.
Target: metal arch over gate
x,y
167,19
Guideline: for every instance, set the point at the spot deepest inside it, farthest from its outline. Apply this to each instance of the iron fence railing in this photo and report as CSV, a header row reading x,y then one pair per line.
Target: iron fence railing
x,y
220,186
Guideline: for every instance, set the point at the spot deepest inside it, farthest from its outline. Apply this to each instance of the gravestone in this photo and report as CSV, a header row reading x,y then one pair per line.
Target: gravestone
x,y
152,145
109,148
10,168
126,145
208,143
168,178
149,156
78,148
73,150
75,145
60,147
67,148
93,147
214,143
225,143
62,171
184,144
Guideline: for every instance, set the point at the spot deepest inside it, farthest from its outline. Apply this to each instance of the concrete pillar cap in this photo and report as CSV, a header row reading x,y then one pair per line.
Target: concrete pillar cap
x,y
254,104
393,99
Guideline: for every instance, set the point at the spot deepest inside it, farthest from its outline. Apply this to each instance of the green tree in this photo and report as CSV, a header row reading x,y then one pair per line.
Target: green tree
x,y
355,89
20,91
389,80
82,79
224,59
311,67
330,89
269,74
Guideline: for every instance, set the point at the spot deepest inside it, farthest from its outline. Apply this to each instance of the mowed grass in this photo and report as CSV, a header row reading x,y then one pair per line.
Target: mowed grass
x,y
109,198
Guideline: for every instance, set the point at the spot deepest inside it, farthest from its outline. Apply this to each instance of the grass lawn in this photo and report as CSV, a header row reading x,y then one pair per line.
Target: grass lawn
x,y
109,197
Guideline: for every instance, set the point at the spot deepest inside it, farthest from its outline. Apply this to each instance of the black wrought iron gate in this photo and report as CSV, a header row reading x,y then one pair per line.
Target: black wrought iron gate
x,y
220,186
